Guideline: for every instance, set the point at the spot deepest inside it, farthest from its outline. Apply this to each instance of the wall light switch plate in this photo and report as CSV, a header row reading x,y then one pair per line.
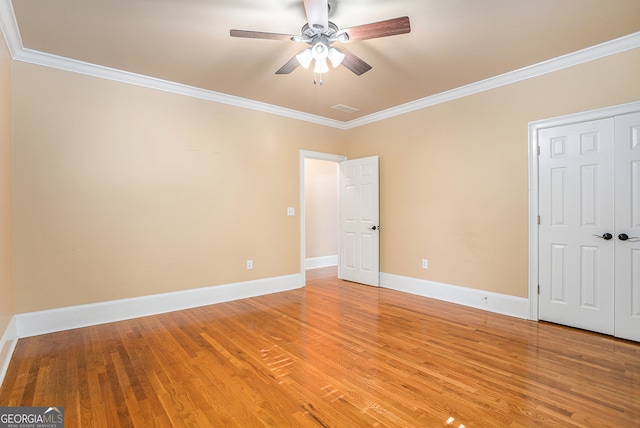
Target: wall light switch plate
x,y
291,211
425,264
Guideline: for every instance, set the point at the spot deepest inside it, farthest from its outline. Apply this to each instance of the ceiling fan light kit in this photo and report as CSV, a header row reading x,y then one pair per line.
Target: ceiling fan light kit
x,y
336,57
305,57
319,53
320,33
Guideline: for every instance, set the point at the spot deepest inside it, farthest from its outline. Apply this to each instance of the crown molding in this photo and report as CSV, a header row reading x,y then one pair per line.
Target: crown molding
x,y
11,32
622,44
67,64
9,27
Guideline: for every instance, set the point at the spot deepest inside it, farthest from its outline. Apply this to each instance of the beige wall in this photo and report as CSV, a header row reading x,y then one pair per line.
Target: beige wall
x,y
6,252
454,176
321,208
123,191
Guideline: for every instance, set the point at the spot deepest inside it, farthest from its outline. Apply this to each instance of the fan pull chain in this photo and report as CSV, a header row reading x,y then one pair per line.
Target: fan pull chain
x,y
315,80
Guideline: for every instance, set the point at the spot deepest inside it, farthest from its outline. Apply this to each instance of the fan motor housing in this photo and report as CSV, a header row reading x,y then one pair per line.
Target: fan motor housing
x,y
310,33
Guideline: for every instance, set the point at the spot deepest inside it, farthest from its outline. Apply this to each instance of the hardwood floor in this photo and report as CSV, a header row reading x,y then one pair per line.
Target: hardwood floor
x,y
334,354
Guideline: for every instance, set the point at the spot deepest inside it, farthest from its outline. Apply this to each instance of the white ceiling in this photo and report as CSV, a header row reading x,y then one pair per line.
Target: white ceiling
x,y
452,43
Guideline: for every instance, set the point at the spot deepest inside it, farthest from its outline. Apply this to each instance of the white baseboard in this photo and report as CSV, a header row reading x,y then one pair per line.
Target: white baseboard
x,y
59,319
318,262
7,346
486,300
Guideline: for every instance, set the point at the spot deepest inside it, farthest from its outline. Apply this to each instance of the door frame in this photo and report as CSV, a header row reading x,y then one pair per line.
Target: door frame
x,y
306,154
534,191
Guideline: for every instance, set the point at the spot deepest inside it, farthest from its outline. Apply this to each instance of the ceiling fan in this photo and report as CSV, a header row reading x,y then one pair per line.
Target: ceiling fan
x,y
320,34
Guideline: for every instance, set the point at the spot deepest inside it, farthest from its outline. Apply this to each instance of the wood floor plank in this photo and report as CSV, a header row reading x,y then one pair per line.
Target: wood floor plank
x,y
333,354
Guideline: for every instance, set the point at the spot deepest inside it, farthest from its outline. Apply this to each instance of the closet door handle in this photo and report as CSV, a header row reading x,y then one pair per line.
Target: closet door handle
x,y
605,236
625,237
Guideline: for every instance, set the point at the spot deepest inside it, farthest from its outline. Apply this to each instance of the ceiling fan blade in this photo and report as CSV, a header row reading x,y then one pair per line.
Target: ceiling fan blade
x,y
248,34
390,27
354,63
289,66
317,14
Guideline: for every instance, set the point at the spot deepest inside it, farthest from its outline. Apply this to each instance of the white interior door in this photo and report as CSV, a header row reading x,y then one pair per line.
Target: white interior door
x,y
576,206
359,221
627,319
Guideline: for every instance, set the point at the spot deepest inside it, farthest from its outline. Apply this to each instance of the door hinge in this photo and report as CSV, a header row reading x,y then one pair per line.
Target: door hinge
x,y
538,219
538,150
538,288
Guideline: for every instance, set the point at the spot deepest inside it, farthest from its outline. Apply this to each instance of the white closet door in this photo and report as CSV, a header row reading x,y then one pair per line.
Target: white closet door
x,y
627,301
576,243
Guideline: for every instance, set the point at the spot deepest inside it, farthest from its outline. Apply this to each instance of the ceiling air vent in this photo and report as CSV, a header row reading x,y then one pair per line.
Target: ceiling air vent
x,y
345,108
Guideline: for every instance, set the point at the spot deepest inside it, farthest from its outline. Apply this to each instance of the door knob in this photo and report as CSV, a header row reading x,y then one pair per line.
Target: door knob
x,y
374,227
606,236
624,237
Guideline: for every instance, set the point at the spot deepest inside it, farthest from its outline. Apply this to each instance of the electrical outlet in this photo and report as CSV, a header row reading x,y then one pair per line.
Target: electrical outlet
x,y
291,211
425,264
249,264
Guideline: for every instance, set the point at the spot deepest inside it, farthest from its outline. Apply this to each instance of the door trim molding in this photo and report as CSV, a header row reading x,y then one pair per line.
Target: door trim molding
x,y
306,154
534,127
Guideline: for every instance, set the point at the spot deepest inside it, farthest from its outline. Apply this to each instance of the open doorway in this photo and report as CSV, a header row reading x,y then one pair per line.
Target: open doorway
x,y
321,203
319,199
